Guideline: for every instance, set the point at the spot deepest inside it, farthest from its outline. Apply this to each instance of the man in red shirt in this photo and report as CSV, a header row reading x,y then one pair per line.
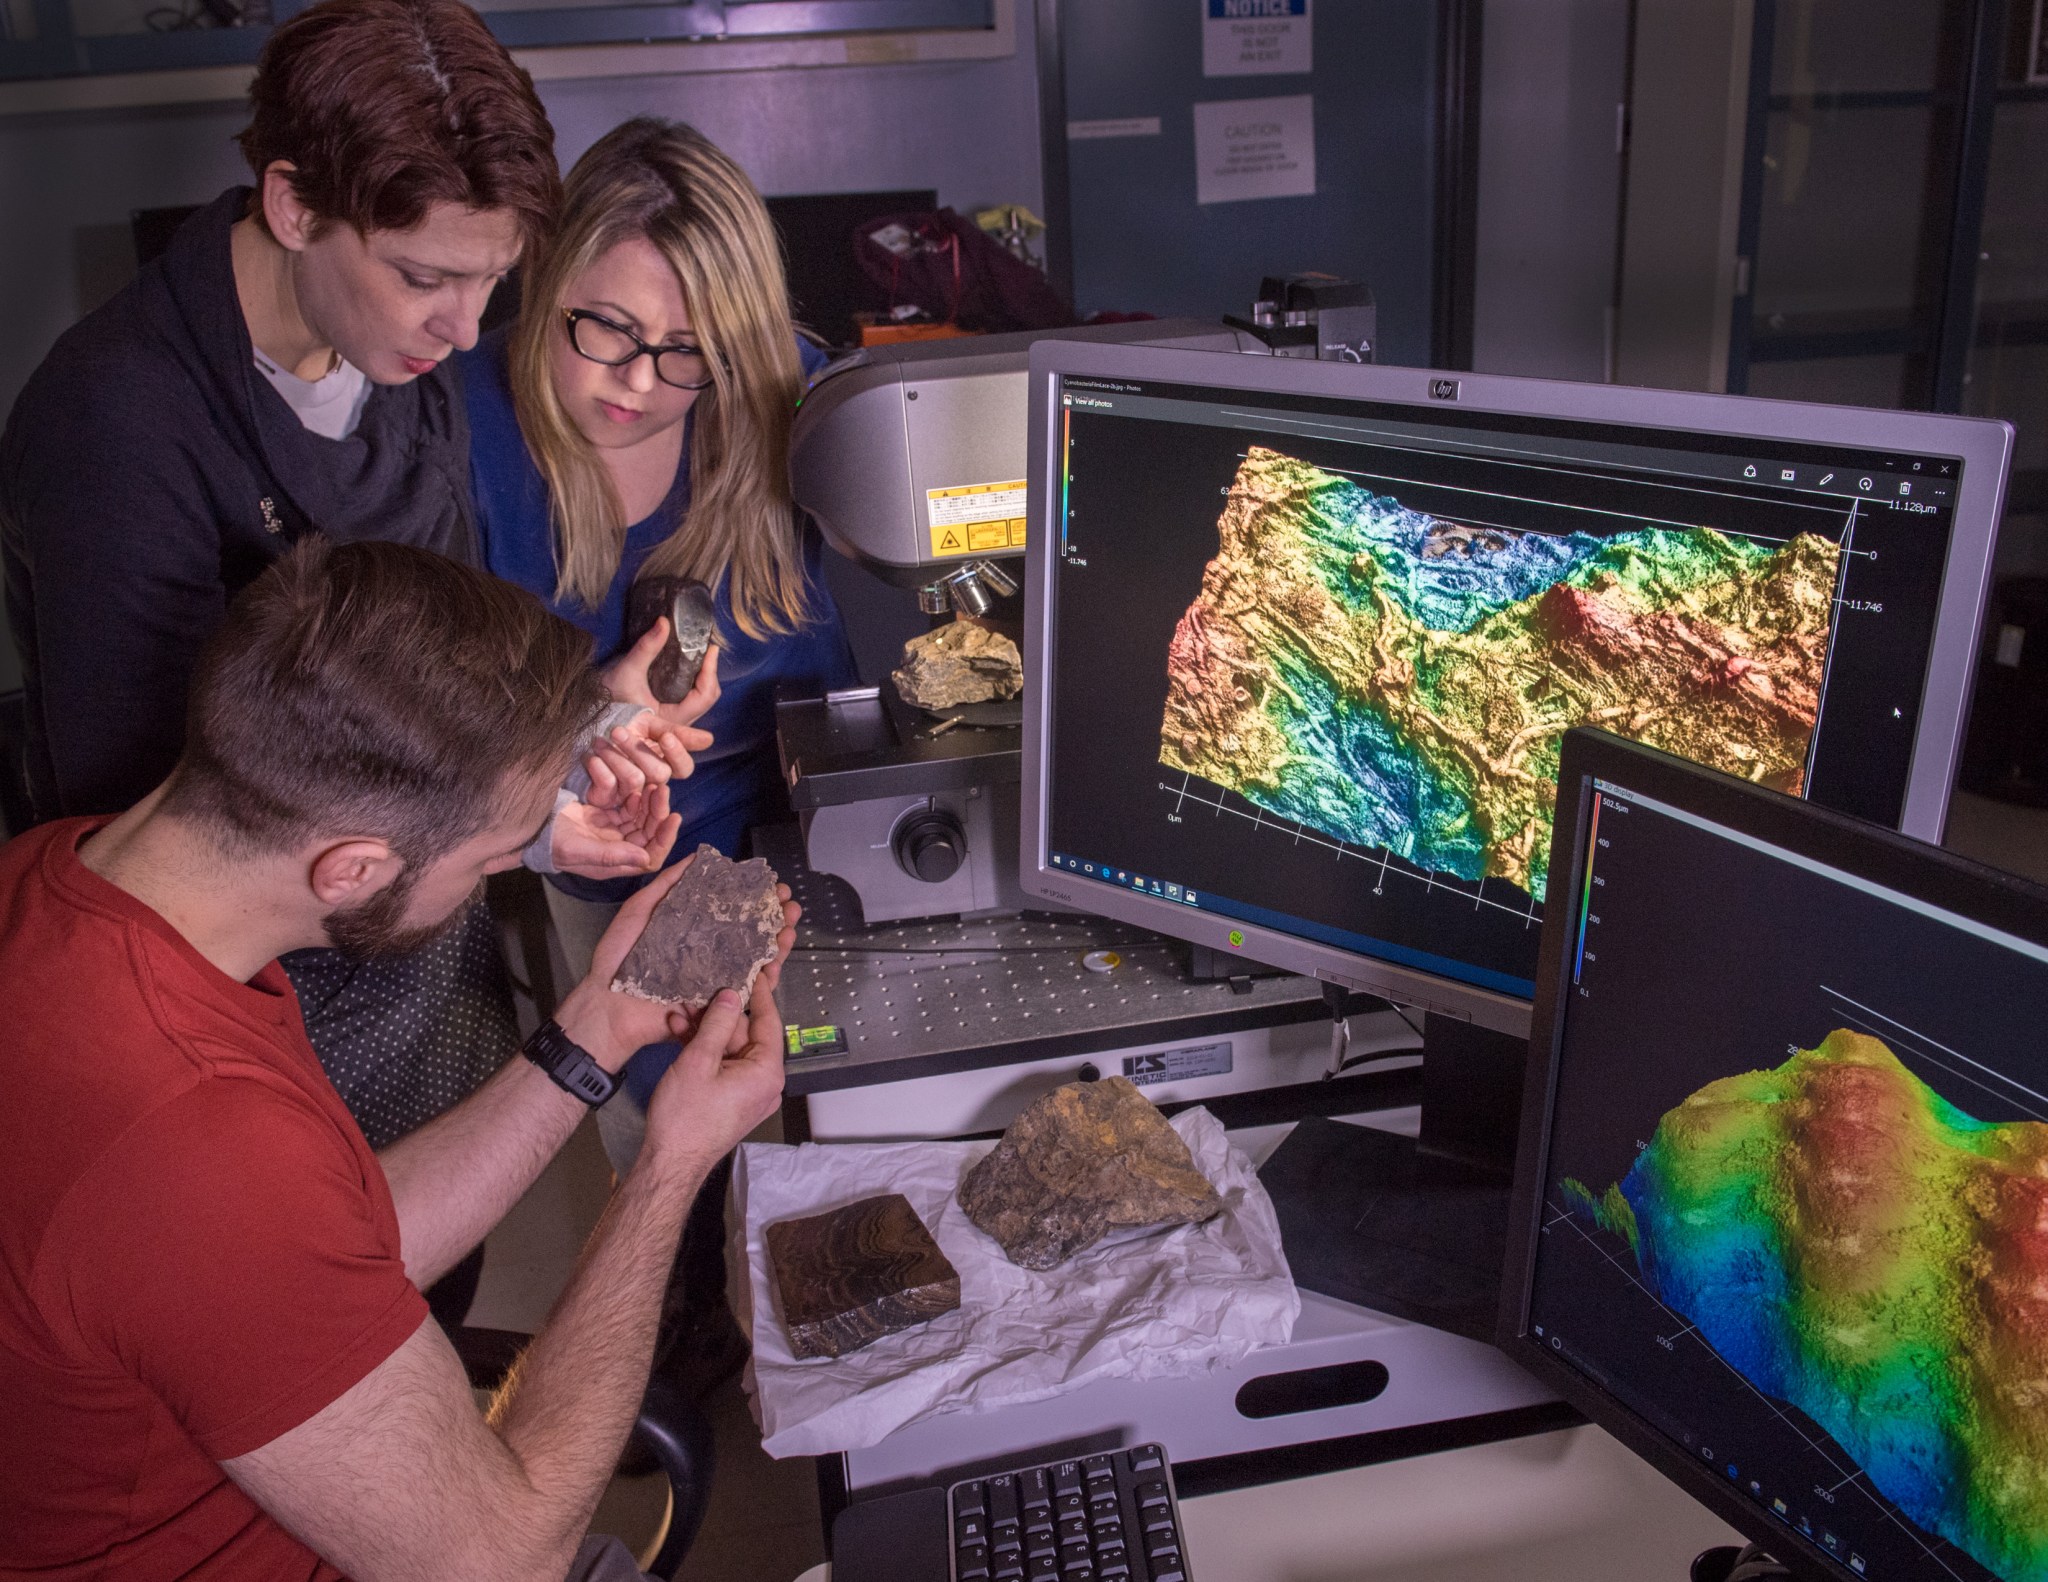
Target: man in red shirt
x,y
213,1355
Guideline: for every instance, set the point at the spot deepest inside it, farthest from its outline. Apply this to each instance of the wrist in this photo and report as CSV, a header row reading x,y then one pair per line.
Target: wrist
x,y
581,1016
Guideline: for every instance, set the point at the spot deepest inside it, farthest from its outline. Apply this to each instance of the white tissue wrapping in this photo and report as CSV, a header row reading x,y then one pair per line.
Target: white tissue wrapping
x,y
1136,1305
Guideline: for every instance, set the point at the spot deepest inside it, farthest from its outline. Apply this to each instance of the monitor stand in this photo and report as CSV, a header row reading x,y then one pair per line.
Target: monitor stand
x,y
1415,1227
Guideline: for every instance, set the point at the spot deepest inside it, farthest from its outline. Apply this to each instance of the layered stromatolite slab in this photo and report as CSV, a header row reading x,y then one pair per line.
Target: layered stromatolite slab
x,y
1397,680
1851,1242
850,1277
1086,1159
715,929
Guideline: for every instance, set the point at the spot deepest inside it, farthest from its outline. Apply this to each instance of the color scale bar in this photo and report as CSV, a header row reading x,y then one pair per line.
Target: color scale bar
x,y
1586,897
1066,470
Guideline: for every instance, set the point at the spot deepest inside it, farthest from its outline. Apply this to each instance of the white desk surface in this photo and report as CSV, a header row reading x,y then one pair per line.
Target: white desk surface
x,y
1571,1506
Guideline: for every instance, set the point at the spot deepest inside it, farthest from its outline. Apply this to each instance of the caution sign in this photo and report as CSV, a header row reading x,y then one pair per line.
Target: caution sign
x,y
976,518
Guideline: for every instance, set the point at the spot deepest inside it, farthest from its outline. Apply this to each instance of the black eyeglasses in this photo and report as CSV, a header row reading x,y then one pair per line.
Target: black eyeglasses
x,y
602,341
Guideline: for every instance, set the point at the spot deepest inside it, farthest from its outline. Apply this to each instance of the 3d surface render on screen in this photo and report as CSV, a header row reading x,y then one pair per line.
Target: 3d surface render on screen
x,y
1310,661
1795,1196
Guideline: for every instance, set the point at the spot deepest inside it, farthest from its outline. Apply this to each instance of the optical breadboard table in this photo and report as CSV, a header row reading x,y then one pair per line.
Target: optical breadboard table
x,y
923,1001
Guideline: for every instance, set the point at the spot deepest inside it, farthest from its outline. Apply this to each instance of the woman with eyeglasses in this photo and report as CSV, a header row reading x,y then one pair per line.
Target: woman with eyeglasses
x,y
635,422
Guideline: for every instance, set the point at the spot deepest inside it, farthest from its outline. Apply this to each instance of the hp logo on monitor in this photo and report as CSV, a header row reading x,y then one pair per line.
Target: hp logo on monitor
x,y
1443,389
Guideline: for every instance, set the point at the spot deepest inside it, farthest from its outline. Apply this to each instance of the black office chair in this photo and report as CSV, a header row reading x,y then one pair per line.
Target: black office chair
x,y
15,812
669,1428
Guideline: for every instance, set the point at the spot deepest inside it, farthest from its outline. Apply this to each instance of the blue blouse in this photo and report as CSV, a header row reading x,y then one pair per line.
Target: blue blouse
x,y
736,784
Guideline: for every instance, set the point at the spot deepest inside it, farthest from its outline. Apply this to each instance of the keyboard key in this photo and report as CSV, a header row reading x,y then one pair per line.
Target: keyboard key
x,y
1066,1478
1146,1458
971,1563
970,1530
969,1500
1009,1573
1172,1573
1068,1503
1002,1500
1117,1570
1032,1487
1042,1568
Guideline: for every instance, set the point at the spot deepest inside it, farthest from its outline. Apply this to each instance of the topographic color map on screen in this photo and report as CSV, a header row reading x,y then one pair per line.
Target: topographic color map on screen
x,y
1851,1242
1401,680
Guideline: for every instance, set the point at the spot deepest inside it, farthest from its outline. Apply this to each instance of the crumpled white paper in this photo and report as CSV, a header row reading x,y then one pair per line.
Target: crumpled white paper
x,y
1136,1305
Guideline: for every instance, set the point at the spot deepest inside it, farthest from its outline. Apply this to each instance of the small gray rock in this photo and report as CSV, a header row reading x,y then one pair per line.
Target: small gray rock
x,y
714,930
693,629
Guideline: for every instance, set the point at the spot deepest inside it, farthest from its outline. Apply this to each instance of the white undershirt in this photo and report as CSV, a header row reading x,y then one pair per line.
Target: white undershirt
x,y
330,406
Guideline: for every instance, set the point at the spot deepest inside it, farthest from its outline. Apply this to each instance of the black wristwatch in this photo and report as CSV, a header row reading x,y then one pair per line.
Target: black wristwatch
x,y
569,1064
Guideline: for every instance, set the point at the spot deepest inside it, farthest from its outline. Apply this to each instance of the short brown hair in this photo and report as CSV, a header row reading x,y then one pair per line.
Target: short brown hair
x,y
387,107
381,690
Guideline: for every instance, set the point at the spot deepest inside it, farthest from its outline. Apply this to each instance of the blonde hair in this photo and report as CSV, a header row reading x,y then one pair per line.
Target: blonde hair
x,y
670,184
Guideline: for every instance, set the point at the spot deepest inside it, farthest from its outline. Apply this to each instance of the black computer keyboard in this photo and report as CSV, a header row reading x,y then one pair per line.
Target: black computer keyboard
x,y
1107,1518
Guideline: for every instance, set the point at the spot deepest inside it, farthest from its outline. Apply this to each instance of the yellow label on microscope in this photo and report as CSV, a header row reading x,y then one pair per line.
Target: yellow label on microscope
x,y
976,518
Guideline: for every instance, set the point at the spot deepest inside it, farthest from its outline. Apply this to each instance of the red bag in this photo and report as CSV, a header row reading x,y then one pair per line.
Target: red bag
x,y
956,273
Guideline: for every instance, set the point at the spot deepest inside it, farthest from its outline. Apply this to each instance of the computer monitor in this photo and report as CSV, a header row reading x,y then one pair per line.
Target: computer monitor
x,y
1303,638
1780,1220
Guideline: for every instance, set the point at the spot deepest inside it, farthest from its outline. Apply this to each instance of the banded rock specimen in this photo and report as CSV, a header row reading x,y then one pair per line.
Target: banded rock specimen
x,y
959,663
715,929
1086,1159
850,1277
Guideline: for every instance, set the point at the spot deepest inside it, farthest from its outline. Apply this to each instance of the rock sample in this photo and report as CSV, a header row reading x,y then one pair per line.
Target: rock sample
x,y
850,1277
692,630
1086,1159
715,929
960,663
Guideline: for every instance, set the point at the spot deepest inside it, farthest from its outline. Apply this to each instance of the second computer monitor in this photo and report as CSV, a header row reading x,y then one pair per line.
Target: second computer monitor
x,y
1305,637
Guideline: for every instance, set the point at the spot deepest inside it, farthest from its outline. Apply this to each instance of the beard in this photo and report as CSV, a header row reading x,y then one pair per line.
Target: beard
x,y
377,927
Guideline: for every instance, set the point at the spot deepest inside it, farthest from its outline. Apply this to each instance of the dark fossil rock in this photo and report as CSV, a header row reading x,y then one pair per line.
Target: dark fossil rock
x,y
693,628
850,1277
714,930
1086,1159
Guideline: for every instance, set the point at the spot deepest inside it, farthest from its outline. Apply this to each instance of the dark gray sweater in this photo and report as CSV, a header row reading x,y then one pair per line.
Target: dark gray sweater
x,y
147,473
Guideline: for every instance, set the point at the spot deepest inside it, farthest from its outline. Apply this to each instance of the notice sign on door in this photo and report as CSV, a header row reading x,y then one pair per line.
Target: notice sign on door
x,y
1249,38
1255,148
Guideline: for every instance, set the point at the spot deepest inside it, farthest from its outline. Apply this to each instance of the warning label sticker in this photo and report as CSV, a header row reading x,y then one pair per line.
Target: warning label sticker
x,y
976,518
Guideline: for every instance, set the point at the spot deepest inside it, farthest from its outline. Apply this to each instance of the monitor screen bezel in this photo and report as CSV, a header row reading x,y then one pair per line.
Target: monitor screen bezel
x,y
1866,851
1983,445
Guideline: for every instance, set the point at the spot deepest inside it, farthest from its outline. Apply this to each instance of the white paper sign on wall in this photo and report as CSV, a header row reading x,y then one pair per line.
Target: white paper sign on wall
x,y
1255,148
1250,38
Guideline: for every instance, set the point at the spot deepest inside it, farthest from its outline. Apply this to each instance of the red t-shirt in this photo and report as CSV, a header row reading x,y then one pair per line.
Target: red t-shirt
x,y
198,1250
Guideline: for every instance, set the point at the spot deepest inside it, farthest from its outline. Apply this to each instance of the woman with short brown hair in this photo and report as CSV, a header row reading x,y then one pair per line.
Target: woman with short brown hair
x,y
283,370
